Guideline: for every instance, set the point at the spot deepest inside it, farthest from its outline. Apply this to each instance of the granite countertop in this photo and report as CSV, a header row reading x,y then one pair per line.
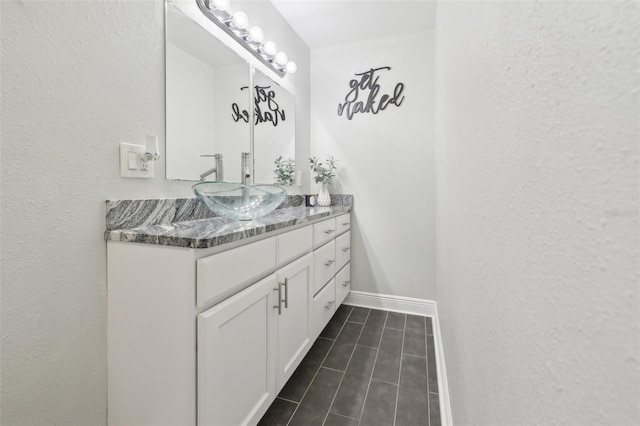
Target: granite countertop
x,y
163,222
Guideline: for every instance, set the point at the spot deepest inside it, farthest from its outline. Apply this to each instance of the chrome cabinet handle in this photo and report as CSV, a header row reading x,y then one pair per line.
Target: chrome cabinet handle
x,y
328,263
329,305
329,231
346,249
346,283
345,224
279,305
286,293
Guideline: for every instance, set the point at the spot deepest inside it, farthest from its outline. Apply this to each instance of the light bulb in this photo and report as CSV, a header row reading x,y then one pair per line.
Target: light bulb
x,y
291,67
240,20
280,58
256,35
269,48
219,4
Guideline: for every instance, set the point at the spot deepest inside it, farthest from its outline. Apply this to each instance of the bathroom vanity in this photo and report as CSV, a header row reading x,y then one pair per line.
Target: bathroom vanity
x,y
208,319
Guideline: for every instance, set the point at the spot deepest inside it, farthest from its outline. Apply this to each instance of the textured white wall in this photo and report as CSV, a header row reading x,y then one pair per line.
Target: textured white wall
x,y
537,157
77,78
386,160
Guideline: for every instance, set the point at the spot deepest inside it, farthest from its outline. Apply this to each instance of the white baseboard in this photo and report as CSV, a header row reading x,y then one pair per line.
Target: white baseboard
x,y
445,404
406,305
410,305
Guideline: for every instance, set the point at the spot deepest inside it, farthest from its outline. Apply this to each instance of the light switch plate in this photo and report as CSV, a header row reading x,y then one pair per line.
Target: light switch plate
x,y
132,161
127,149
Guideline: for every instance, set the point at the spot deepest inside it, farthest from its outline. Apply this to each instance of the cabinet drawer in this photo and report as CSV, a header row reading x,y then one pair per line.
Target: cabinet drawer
x,y
222,272
324,265
323,232
322,308
295,243
343,283
343,249
343,223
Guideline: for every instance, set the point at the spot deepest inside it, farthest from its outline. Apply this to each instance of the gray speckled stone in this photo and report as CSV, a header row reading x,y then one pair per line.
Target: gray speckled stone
x,y
292,201
124,214
342,200
127,214
186,223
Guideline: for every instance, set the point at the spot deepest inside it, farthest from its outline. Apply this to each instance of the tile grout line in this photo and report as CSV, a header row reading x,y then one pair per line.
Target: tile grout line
x,y
369,346
332,369
395,413
345,370
318,370
342,415
366,394
288,400
384,381
415,356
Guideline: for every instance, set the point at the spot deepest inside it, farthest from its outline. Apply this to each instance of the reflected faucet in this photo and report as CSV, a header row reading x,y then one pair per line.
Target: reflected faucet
x,y
245,171
217,169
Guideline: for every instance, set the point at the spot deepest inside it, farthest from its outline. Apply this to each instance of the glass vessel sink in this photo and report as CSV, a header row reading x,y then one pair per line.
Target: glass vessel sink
x,y
237,201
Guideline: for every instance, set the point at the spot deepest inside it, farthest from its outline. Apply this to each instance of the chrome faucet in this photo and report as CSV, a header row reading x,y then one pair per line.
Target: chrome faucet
x,y
245,171
218,169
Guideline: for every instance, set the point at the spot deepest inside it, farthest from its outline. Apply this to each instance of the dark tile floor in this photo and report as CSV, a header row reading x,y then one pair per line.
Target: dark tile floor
x,y
368,367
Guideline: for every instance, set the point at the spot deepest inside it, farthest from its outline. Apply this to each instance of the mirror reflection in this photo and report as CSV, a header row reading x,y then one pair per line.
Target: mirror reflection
x,y
274,131
206,95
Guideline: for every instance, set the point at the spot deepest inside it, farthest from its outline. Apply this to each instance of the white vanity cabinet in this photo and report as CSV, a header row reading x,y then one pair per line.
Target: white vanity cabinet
x,y
210,336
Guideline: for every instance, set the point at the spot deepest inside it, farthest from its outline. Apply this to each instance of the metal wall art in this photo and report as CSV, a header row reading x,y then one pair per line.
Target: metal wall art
x,y
364,94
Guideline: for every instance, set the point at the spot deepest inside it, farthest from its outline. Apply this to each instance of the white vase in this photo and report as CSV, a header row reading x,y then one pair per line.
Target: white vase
x,y
324,198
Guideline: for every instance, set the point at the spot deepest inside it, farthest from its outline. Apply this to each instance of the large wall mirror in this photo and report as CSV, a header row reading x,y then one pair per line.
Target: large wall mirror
x,y
205,82
274,133
207,108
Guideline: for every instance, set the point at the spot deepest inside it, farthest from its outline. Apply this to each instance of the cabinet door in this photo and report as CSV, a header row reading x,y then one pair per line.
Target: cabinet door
x,y
236,355
293,326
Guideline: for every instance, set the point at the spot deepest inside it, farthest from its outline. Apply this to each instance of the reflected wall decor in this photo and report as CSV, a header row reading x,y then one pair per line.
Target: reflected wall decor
x,y
266,107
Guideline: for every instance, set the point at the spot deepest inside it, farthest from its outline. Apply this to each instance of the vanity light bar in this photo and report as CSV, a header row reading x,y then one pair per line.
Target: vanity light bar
x,y
251,38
